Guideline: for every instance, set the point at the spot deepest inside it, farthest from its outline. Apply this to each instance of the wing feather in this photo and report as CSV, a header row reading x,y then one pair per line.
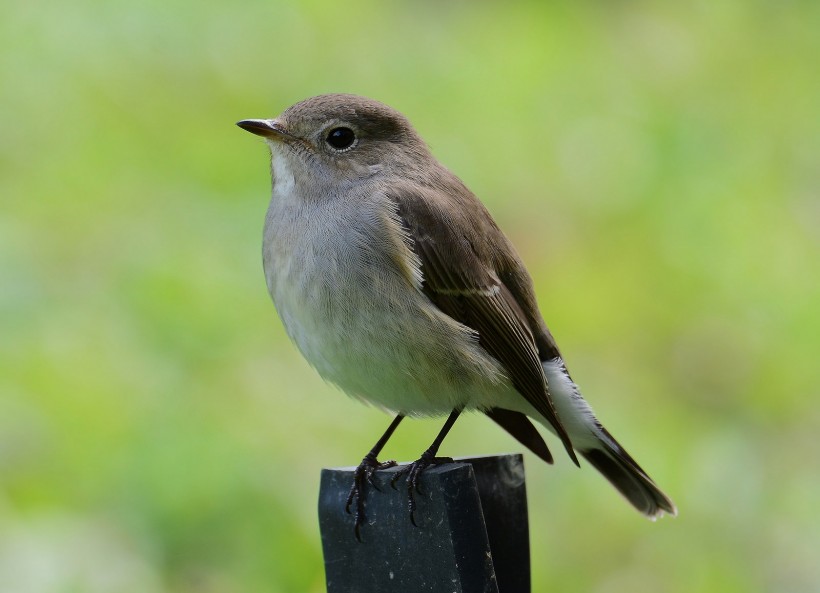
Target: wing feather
x,y
462,270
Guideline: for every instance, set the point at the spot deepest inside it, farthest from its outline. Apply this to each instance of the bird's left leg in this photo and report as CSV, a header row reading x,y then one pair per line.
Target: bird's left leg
x,y
428,458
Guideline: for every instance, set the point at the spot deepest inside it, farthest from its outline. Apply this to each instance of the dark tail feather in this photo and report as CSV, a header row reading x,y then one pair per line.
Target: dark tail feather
x,y
629,479
519,426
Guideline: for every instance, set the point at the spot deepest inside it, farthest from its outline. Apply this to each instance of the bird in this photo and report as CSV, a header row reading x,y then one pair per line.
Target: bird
x,y
395,283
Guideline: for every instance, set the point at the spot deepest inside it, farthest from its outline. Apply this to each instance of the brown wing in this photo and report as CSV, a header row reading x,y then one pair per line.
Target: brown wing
x,y
519,426
462,260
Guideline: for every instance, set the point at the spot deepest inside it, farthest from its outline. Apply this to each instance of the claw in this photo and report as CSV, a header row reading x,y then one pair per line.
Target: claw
x,y
363,474
413,472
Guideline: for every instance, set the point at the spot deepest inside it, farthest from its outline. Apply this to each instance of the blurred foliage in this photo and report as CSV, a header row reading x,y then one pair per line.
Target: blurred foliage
x,y
656,164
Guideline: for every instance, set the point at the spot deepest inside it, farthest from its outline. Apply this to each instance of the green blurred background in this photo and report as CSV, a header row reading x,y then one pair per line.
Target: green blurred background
x,y
656,164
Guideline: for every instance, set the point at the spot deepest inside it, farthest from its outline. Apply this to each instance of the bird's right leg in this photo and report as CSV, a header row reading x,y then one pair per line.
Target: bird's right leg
x,y
364,473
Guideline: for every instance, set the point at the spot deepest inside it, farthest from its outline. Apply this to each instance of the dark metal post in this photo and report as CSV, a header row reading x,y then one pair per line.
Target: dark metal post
x,y
473,533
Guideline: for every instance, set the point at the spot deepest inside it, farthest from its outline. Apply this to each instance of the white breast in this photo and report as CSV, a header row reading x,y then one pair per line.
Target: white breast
x,y
357,315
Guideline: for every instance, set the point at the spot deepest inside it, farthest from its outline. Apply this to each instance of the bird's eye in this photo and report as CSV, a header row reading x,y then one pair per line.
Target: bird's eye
x,y
340,138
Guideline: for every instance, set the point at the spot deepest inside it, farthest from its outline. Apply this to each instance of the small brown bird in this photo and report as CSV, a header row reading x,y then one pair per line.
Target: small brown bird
x,y
397,285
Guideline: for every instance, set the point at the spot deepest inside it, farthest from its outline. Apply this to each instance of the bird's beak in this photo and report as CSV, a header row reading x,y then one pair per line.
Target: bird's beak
x,y
267,128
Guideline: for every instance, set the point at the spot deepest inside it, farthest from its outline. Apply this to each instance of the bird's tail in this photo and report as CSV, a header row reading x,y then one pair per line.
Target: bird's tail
x,y
599,447
617,466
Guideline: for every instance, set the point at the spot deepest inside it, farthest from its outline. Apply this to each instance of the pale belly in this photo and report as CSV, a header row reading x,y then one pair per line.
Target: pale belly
x,y
364,327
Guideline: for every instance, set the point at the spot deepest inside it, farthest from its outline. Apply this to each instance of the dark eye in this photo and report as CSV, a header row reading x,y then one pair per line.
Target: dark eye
x,y
340,138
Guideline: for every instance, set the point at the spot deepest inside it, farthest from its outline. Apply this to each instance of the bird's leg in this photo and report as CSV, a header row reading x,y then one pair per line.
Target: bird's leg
x,y
428,458
364,473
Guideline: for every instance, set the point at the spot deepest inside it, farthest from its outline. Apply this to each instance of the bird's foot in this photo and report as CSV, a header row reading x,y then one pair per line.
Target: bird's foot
x,y
362,475
413,472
